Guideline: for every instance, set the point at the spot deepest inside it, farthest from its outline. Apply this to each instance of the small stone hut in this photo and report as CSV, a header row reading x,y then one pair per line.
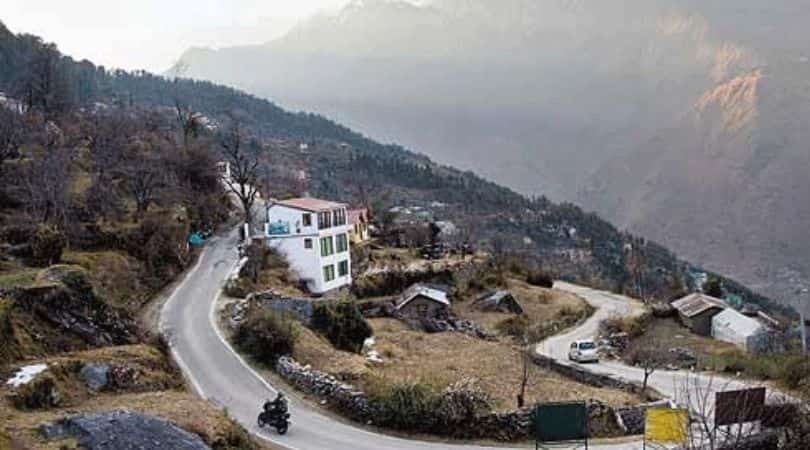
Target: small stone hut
x,y
422,301
498,301
697,310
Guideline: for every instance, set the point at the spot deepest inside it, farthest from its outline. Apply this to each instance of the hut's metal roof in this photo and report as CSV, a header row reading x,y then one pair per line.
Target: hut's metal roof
x,y
694,304
430,292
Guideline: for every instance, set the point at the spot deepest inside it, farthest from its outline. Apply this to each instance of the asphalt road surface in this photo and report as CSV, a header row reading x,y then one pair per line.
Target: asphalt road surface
x,y
684,387
219,375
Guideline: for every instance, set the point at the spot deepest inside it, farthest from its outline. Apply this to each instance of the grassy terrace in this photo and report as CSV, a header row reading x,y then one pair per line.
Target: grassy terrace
x,y
439,359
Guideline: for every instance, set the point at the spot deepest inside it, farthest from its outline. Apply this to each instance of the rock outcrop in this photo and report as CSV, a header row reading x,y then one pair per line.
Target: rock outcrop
x,y
123,430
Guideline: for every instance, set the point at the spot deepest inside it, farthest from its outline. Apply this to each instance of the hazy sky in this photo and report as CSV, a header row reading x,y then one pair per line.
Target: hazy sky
x,y
151,34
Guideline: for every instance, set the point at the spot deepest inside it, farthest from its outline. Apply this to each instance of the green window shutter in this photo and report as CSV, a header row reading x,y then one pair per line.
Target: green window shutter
x,y
329,273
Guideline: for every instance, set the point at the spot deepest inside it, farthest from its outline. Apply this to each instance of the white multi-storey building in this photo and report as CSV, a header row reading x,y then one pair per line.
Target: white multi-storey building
x,y
313,235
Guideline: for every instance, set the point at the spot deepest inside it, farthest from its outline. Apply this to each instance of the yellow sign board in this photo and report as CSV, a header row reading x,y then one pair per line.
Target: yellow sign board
x,y
665,425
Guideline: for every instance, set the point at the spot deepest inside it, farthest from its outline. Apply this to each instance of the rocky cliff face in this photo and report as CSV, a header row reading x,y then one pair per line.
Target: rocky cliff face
x,y
727,185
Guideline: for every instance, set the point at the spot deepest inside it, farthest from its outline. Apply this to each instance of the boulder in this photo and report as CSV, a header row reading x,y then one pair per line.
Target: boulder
x,y
122,430
95,376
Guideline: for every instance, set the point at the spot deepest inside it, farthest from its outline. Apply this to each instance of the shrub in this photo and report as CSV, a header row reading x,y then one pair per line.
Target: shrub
x,y
405,406
795,372
9,351
633,326
425,405
461,402
568,316
47,245
540,278
16,234
342,324
266,336
77,282
239,287
394,282
161,244
713,286
515,326
233,437
40,393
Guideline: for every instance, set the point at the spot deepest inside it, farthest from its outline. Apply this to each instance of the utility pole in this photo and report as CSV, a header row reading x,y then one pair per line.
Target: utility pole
x,y
803,293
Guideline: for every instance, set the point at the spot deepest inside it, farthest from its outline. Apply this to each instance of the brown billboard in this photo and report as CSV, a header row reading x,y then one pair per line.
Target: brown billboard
x,y
733,407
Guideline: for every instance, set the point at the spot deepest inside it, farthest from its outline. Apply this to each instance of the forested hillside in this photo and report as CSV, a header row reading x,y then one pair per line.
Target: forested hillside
x,y
97,203
340,163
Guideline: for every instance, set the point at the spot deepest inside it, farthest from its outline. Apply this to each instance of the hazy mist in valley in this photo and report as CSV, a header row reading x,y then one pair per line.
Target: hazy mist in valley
x,y
681,120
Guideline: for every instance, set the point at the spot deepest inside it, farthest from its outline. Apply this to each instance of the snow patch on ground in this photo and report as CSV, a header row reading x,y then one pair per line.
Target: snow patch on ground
x,y
26,374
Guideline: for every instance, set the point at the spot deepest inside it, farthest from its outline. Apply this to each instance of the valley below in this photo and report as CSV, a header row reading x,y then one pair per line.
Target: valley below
x,y
679,121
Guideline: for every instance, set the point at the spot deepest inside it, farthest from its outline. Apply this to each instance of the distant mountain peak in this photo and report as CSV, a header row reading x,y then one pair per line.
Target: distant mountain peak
x,y
735,100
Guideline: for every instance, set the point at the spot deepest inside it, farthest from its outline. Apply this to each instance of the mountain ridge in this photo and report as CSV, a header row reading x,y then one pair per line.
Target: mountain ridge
x,y
550,96
579,245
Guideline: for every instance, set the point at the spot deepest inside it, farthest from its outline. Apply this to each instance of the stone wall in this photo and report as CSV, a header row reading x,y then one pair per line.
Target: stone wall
x,y
300,308
585,376
355,404
631,418
341,396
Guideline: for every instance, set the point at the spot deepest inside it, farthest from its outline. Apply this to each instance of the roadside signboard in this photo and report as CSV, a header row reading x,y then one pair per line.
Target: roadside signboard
x,y
665,426
733,407
560,422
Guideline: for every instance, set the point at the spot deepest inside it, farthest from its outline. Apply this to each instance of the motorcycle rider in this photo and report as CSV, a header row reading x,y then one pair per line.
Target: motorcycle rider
x,y
276,407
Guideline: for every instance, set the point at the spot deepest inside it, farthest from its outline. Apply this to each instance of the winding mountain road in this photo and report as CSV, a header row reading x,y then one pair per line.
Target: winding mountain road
x,y
219,375
672,384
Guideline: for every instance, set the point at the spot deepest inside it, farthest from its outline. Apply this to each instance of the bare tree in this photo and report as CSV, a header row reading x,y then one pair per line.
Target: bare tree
x,y
45,187
189,121
145,182
243,162
649,357
145,176
751,430
527,337
186,117
108,139
500,255
11,133
636,261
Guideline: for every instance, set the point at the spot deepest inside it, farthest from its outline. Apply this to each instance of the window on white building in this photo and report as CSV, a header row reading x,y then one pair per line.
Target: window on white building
x,y
307,219
308,243
342,243
327,246
329,273
324,220
343,268
340,217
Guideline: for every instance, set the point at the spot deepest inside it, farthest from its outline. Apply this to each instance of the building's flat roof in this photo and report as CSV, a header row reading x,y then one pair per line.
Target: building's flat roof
x,y
309,204
694,304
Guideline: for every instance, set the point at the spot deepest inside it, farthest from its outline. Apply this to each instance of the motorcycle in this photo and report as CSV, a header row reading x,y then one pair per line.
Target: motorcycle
x,y
279,421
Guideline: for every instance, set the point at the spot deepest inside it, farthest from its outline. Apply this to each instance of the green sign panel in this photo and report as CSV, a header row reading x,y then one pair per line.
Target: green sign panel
x,y
560,422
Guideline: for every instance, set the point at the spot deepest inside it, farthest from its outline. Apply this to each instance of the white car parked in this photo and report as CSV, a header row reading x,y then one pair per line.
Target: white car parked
x,y
583,351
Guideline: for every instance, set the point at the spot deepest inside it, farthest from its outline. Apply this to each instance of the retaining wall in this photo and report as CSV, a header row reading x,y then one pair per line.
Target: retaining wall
x,y
355,404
